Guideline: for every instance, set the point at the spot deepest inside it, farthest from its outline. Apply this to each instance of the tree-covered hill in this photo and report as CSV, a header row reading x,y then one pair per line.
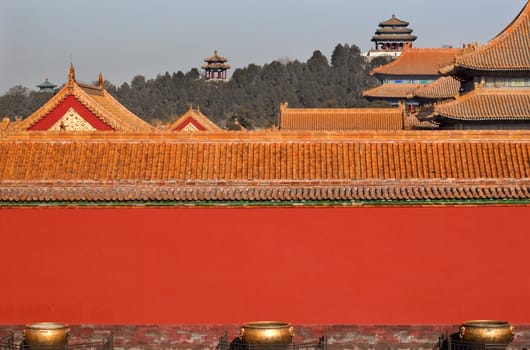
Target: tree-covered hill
x,y
252,96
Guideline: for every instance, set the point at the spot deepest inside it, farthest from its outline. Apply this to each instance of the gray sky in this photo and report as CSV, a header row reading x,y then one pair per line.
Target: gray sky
x,y
124,38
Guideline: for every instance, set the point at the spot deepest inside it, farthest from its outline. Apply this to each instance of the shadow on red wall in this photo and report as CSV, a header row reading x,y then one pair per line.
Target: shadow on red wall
x,y
304,265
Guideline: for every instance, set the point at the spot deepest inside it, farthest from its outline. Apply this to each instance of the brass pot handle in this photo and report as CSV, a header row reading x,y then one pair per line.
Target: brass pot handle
x,y
462,330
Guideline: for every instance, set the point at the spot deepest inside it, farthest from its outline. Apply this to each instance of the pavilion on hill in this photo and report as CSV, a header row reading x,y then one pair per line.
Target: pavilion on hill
x,y
215,67
80,107
391,37
495,82
46,86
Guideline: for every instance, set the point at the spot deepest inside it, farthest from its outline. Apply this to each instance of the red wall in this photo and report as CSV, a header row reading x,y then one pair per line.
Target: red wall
x,y
305,265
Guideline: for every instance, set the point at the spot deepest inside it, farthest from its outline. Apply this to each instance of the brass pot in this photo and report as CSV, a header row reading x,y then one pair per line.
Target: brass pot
x,y
267,333
46,334
487,332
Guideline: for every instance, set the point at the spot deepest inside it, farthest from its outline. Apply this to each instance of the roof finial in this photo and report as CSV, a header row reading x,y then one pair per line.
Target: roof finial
x,y
71,75
101,82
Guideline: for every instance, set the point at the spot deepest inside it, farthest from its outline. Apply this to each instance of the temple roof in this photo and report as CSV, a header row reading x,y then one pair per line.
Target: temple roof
x,y
397,30
99,103
394,21
265,166
392,37
215,66
46,85
441,88
508,51
341,118
193,120
418,62
215,58
400,91
488,104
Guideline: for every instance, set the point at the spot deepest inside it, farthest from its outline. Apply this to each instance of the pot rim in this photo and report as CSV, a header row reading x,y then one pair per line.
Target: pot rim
x,y
486,323
266,324
46,325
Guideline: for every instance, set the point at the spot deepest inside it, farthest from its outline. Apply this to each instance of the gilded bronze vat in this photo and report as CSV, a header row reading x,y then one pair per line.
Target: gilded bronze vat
x,y
267,333
487,332
46,334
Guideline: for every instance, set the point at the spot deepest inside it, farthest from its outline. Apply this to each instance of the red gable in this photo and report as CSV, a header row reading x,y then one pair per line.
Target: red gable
x,y
69,104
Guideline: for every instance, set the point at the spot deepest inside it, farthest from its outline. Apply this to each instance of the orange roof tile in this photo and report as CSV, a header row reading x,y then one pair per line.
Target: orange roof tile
x,y
508,51
98,102
418,61
340,118
199,121
488,104
266,166
441,88
386,91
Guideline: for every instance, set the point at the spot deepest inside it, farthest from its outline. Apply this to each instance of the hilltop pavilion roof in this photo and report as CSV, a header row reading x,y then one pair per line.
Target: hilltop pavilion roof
x,y
215,58
394,22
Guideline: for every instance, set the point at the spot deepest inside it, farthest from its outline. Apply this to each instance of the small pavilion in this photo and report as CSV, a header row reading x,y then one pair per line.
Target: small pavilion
x,y
215,67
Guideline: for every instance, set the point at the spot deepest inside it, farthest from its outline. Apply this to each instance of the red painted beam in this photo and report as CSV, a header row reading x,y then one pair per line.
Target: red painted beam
x,y
304,265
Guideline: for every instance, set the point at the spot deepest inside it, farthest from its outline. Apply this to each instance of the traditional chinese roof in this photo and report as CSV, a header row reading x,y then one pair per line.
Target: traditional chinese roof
x,y
46,85
215,58
394,22
507,52
488,104
271,167
418,62
193,120
82,107
340,118
440,89
413,122
386,91
394,29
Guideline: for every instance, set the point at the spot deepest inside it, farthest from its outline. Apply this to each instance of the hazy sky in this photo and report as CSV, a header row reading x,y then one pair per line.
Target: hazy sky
x,y
124,38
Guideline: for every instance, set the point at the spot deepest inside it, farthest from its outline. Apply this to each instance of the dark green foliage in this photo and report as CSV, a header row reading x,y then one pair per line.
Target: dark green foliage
x,y
250,99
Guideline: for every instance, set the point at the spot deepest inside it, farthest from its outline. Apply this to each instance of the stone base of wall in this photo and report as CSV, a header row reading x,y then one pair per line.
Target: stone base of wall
x,y
205,337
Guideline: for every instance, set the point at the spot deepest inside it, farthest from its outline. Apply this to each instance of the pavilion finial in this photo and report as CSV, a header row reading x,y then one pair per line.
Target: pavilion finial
x,y
71,75
101,82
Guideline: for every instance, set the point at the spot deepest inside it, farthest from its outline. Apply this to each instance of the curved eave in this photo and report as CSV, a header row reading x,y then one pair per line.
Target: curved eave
x,y
464,118
394,38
